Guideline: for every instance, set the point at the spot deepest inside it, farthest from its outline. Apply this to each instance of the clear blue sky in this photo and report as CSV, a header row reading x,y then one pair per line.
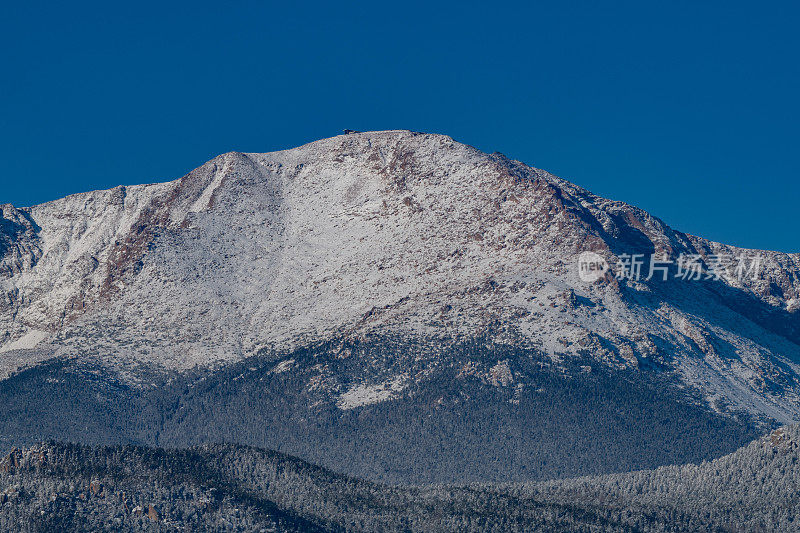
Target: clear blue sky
x,y
687,109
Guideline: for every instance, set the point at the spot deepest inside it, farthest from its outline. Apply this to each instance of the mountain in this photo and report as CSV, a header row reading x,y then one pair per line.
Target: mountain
x,y
395,305
63,487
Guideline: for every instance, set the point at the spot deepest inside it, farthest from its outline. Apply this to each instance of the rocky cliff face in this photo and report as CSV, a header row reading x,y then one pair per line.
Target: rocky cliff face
x,y
385,232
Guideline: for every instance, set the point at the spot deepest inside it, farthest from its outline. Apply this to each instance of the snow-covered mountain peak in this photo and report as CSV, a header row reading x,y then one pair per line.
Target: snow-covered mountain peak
x,y
381,232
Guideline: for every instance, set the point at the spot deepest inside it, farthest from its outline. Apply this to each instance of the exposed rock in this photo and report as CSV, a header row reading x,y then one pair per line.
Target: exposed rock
x,y
152,514
500,375
781,440
96,489
11,462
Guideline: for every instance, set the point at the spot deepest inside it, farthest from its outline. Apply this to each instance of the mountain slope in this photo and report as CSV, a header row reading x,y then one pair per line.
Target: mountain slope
x,y
459,424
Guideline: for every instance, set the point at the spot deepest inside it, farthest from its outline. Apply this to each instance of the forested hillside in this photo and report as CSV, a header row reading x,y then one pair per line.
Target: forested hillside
x,y
51,487
491,412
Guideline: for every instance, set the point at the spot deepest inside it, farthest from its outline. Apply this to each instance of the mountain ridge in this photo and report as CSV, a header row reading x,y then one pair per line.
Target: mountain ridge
x,y
396,231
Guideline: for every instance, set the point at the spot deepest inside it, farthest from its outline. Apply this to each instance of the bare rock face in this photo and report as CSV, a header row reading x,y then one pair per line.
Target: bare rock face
x,y
11,462
96,489
388,232
152,513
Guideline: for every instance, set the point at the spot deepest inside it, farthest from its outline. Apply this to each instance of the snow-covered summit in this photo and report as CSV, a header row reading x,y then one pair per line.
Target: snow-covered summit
x,y
395,232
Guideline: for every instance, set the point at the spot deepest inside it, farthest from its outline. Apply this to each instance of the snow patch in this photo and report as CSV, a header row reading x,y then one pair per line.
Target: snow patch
x,y
28,341
204,202
283,366
368,394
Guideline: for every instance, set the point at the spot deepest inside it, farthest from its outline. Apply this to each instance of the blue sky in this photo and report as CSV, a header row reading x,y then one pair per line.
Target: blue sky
x,y
686,109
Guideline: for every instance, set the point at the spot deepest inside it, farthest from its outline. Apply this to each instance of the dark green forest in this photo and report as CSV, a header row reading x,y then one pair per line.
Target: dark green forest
x,y
67,487
447,427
